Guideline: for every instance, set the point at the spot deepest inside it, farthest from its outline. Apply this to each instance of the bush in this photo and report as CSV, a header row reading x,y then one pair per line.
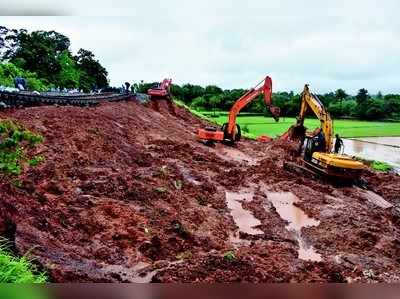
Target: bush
x,y
230,256
9,71
14,140
18,269
381,166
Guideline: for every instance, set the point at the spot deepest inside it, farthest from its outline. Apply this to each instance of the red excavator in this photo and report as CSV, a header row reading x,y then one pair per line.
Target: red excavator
x,y
230,132
161,91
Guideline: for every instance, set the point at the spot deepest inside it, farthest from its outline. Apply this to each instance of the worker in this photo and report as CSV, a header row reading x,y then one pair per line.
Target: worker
x,y
127,85
338,144
20,83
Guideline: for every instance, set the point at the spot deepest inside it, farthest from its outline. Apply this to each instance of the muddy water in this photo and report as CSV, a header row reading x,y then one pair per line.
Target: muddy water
x,y
386,149
284,205
244,219
390,141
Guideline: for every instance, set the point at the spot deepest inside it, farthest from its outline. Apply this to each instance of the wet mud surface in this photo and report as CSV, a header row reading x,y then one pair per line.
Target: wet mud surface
x,y
127,194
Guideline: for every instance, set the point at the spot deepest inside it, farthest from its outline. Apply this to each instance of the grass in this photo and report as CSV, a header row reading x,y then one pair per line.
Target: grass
x,y
381,166
18,269
259,125
230,256
14,142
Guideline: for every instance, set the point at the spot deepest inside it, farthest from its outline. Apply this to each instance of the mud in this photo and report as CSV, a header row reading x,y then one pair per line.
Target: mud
x,y
127,193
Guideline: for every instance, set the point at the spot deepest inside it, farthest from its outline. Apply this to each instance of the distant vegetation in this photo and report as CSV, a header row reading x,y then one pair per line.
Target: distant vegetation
x,y
339,103
44,58
258,125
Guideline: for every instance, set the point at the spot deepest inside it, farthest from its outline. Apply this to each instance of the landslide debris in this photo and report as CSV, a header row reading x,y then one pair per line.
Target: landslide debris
x,y
127,193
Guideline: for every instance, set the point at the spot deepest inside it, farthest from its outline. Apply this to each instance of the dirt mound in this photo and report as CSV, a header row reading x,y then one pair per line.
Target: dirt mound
x,y
127,193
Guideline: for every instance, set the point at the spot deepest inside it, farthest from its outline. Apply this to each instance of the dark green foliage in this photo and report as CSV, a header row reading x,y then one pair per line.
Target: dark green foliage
x,y
93,74
339,103
45,56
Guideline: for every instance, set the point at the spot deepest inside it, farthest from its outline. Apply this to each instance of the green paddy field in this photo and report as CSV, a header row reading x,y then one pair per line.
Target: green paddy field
x,y
261,125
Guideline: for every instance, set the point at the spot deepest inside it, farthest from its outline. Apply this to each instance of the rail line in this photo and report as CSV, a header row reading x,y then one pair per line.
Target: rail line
x,y
27,99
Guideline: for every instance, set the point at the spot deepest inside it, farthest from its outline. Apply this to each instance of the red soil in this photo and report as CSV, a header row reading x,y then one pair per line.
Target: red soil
x,y
128,194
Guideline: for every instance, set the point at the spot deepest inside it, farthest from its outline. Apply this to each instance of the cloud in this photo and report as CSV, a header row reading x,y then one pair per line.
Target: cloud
x,y
231,44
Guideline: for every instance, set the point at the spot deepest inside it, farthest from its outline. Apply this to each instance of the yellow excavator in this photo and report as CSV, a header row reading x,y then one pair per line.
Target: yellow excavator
x,y
317,151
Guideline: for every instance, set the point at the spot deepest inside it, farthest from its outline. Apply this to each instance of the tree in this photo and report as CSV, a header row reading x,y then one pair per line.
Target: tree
x,y
47,54
213,90
362,102
362,96
215,101
375,109
93,74
38,52
69,74
8,42
340,94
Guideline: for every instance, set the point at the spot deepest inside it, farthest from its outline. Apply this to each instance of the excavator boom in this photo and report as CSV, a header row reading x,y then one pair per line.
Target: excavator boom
x,y
230,131
249,96
310,101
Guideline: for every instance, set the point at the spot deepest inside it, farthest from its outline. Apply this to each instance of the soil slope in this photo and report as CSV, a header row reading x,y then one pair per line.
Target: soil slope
x,y
127,193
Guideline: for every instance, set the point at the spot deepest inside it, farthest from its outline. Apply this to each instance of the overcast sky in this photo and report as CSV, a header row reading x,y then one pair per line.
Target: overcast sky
x,y
329,45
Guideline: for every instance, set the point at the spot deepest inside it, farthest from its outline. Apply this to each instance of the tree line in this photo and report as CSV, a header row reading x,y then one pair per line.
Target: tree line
x,y
45,60
339,103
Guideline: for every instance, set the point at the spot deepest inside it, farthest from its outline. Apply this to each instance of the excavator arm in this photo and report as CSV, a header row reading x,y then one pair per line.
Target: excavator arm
x,y
249,96
228,132
311,102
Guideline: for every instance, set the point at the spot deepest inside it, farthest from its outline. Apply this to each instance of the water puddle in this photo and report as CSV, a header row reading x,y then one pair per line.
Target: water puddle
x,y
283,202
376,199
244,219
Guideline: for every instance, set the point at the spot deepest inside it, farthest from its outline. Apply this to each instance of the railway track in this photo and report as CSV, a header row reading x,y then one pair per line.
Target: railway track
x,y
28,99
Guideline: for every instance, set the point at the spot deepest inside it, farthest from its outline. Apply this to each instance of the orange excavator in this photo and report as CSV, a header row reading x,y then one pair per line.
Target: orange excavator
x,y
230,132
161,91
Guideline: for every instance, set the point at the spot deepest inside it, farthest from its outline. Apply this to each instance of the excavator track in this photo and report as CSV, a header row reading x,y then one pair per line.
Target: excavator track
x,y
28,99
314,172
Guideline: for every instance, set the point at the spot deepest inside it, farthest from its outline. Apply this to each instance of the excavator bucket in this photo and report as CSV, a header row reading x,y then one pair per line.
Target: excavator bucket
x,y
276,112
267,90
296,132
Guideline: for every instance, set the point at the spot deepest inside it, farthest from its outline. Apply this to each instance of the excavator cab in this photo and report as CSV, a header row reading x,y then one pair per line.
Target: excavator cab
x,y
309,148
